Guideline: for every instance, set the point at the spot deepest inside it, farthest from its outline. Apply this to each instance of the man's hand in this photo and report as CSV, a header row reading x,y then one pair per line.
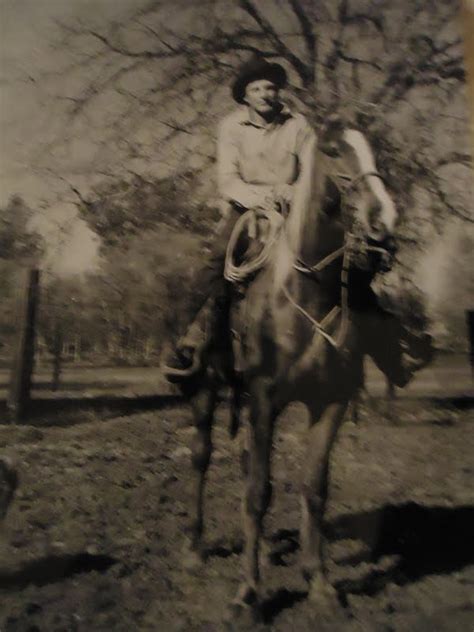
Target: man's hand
x,y
275,203
269,204
283,196
283,193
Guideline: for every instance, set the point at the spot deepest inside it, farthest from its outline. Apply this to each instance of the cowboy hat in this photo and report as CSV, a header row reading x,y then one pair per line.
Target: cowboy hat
x,y
253,70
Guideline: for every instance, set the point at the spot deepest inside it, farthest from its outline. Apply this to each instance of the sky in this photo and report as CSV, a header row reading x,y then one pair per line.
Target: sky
x,y
28,28
35,90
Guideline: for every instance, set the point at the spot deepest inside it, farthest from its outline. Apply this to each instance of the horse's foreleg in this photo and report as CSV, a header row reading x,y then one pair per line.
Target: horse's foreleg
x,y
313,500
203,408
390,397
355,408
236,406
258,491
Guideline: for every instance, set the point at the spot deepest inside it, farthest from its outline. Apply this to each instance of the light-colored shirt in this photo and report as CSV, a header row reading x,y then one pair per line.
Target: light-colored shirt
x,y
252,159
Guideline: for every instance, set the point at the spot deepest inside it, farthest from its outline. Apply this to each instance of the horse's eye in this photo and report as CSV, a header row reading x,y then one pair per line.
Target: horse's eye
x,y
373,216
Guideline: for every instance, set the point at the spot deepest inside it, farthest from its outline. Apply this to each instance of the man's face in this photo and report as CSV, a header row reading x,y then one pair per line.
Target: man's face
x,y
261,96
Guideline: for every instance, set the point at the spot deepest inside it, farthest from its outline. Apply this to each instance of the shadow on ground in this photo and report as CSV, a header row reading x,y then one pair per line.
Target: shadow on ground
x,y
70,411
53,568
81,386
421,540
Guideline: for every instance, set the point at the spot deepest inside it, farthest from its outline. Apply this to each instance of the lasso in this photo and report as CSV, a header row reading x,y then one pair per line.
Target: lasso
x,y
239,273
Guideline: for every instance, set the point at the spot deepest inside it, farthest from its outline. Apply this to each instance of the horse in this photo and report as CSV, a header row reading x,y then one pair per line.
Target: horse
x,y
8,484
297,339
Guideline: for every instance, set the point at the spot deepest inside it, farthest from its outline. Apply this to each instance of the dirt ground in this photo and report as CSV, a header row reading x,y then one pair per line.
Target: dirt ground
x,y
94,538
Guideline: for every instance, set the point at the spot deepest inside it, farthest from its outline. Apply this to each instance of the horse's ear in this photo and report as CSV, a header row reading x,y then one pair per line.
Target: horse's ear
x,y
331,134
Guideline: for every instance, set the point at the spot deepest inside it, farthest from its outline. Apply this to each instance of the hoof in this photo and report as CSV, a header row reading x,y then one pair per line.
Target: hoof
x,y
245,609
323,594
193,560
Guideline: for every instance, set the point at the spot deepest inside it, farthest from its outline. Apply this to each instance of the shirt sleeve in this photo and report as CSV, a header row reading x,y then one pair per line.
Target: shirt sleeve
x,y
231,185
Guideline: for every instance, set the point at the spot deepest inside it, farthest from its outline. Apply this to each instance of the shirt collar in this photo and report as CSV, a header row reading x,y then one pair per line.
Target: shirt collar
x,y
283,115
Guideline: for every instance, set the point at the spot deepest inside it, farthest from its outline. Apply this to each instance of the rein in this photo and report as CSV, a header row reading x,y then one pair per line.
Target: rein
x,y
343,251
238,274
353,182
320,326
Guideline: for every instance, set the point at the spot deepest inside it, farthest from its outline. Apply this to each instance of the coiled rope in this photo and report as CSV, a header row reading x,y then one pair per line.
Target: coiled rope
x,y
248,221
239,273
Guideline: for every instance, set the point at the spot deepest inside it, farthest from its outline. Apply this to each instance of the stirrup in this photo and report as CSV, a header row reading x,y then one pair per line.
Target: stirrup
x,y
173,374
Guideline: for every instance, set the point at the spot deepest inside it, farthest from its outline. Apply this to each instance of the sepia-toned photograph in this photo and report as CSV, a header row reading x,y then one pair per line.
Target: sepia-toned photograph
x,y
236,315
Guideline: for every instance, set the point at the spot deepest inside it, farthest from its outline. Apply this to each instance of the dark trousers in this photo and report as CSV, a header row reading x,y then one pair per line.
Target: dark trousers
x,y
208,283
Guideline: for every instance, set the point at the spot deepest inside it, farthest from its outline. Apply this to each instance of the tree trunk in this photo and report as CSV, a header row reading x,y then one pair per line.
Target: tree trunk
x,y
470,336
57,357
23,363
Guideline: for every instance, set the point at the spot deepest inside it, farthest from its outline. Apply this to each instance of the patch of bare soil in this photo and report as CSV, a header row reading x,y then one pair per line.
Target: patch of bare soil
x,y
94,538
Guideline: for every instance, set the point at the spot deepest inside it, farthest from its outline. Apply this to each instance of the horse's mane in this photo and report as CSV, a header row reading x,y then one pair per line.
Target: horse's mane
x,y
283,260
306,200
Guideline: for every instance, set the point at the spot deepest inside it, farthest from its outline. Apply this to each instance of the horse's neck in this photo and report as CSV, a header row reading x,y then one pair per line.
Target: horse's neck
x,y
311,234
322,233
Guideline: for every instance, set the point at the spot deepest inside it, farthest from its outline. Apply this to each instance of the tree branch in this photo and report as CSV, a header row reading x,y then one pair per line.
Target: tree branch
x,y
306,30
355,60
455,158
361,17
302,69
155,33
425,170
75,190
145,54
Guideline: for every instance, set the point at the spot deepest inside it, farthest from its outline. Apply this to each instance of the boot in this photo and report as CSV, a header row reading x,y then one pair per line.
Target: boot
x,y
418,352
180,364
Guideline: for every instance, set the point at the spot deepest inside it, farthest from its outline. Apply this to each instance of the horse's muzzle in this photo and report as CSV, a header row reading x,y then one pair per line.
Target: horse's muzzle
x,y
382,252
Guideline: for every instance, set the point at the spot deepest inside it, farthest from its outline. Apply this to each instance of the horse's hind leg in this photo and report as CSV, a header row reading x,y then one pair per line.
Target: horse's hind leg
x,y
313,500
203,405
258,491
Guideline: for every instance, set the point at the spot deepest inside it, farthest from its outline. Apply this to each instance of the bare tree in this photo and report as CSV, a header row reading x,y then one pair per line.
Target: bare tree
x,y
138,98
152,85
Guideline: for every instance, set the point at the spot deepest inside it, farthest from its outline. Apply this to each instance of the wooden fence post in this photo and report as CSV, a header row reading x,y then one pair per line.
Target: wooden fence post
x,y
470,336
23,361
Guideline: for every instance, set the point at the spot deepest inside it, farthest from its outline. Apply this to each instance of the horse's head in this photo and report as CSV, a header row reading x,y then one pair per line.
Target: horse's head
x,y
372,204
361,185
347,193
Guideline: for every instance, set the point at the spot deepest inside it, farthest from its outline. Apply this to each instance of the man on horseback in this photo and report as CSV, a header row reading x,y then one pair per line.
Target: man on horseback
x,y
307,318
262,152
265,160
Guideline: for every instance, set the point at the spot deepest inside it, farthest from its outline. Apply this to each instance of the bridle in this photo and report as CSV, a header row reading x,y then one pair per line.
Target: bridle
x,y
344,252
239,273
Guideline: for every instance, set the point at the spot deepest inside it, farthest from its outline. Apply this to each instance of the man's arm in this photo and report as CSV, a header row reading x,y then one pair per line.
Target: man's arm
x,y
231,185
